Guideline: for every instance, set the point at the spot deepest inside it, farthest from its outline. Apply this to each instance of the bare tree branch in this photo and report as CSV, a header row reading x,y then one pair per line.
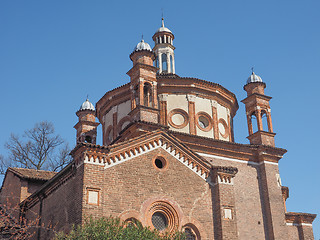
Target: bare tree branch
x,y
39,148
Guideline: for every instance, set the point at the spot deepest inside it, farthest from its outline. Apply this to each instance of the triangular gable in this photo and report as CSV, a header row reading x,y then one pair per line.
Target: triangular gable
x,y
126,150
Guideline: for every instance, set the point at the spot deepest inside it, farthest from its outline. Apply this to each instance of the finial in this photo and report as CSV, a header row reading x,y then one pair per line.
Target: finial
x,y
162,19
142,38
87,97
252,70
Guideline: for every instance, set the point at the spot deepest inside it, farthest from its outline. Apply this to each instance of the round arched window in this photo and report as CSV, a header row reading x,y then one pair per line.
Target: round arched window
x,y
159,221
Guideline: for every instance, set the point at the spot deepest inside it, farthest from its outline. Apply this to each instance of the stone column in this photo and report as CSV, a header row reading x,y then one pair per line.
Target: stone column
x,y
225,223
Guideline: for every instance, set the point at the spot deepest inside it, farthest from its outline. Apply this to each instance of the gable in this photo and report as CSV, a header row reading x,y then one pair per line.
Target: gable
x,y
140,146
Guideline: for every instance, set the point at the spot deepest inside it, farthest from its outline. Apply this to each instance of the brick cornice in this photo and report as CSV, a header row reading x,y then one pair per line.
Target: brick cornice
x,y
210,90
142,66
300,218
254,96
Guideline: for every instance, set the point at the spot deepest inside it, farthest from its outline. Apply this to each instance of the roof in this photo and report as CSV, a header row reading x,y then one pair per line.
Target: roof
x,y
86,105
32,174
142,46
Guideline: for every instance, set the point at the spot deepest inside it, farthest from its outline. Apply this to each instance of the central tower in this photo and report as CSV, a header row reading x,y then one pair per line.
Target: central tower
x,y
164,50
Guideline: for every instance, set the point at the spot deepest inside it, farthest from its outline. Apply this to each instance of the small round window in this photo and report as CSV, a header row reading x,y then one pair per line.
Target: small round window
x,y
159,221
160,163
203,122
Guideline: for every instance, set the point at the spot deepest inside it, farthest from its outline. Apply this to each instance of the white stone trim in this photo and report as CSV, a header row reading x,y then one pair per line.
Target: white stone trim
x,y
299,224
147,147
235,160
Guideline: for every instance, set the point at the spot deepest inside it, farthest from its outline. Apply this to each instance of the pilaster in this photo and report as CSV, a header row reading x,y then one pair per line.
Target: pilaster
x,y
192,114
225,222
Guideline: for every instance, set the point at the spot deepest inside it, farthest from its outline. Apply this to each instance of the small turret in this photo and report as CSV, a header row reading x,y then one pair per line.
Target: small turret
x,y
257,106
87,125
164,50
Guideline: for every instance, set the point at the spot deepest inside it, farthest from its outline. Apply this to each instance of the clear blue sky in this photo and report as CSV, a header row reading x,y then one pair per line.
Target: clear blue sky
x,y
54,53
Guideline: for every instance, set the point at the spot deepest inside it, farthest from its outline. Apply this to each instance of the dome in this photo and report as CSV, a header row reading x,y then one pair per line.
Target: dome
x,y
142,46
87,106
254,78
163,28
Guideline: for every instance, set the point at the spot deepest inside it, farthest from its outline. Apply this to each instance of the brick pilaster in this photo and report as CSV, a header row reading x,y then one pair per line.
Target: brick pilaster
x,y
225,224
192,114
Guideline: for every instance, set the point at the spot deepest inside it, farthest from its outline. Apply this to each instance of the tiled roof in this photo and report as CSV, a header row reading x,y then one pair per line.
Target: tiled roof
x,y
32,173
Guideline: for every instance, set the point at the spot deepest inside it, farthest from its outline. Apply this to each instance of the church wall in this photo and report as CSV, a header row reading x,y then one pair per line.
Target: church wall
x,y
61,208
175,101
204,105
128,189
272,184
122,110
223,114
10,195
248,207
293,232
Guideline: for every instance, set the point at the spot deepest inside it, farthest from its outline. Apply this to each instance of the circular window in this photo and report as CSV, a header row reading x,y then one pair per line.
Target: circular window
x,y
159,221
204,121
160,163
178,118
223,128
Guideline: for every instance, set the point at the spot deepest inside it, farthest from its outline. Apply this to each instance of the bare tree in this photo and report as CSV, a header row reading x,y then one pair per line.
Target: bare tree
x,y
39,148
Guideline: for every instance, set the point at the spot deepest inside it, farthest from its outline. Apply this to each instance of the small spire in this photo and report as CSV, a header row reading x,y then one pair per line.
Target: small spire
x,y
252,70
162,22
142,38
87,97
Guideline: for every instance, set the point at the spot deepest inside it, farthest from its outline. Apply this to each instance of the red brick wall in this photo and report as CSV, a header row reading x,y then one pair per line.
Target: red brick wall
x,y
11,193
134,184
61,208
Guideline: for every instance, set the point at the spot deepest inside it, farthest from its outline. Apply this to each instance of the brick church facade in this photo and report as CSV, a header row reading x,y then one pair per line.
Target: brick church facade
x,y
169,160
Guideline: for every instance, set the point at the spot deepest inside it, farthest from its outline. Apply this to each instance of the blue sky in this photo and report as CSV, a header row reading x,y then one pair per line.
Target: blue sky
x,y
54,53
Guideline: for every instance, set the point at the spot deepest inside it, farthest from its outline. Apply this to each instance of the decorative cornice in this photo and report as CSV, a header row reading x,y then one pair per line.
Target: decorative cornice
x,y
300,219
223,175
120,152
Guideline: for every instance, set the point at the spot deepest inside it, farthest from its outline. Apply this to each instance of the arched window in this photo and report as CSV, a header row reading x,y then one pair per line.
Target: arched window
x,y
156,62
147,95
171,63
189,234
264,121
254,122
164,63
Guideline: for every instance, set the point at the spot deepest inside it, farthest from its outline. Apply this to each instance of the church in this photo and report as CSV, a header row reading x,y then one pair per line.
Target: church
x,y
168,160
